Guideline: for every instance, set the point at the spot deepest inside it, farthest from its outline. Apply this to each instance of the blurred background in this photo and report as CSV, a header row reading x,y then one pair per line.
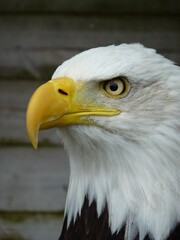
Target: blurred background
x,y
35,37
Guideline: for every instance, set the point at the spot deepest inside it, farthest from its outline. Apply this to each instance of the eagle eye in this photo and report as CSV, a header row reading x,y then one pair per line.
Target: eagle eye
x,y
115,87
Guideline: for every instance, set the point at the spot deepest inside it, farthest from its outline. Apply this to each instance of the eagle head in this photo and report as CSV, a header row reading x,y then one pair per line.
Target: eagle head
x,y
117,113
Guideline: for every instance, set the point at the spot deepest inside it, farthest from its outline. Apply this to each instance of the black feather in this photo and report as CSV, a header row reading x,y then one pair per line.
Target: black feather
x,y
88,226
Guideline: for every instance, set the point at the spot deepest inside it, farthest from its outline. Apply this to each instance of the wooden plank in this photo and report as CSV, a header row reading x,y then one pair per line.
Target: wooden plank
x,y
32,228
52,32
55,22
33,180
91,6
41,43
32,64
80,40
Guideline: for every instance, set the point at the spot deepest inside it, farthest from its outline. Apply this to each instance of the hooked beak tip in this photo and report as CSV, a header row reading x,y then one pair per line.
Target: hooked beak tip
x,y
35,144
33,137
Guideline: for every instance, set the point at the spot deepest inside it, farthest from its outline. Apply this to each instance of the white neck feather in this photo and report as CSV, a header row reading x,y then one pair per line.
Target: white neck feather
x,y
139,181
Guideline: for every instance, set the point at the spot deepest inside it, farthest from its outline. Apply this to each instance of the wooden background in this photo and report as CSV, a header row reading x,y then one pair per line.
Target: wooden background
x,y
35,37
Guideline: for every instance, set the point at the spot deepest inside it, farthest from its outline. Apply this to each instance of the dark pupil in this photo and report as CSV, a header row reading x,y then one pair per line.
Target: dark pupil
x,y
113,87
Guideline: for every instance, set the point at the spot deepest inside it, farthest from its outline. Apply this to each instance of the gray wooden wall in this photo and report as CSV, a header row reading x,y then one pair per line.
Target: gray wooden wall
x,y
35,37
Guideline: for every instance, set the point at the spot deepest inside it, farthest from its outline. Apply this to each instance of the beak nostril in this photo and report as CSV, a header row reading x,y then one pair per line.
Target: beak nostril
x,y
62,92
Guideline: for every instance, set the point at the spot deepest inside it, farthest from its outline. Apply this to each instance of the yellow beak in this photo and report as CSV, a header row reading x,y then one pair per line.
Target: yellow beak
x,y
53,104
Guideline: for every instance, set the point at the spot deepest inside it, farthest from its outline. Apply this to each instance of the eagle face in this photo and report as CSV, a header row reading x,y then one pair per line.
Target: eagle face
x,y
149,95
116,109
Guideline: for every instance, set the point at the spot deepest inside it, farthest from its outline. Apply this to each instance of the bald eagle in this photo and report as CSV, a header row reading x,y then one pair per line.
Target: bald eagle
x,y
117,113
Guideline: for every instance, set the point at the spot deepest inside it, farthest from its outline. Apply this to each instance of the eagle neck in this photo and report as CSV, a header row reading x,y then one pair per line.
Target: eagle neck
x,y
134,182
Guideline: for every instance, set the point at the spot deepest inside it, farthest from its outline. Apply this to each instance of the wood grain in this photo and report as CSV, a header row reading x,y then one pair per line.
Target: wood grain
x,y
33,180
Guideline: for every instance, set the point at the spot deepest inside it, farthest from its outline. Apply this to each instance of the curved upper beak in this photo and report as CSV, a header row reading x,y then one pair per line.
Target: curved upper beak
x,y
48,103
53,104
